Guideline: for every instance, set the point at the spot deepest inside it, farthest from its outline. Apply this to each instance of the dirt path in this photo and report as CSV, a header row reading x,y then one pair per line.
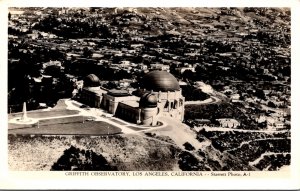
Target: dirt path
x,y
256,161
243,130
247,142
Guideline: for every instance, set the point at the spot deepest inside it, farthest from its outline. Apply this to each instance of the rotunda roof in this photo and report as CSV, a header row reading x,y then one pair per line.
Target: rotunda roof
x,y
160,81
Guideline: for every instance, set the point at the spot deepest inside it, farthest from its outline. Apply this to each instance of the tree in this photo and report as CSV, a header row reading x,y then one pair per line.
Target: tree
x,y
260,94
198,94
188,146
81,160
123,74
105,31
188,162
188,75
271,104
87,53
286,71
53,70
262,125
116,59
138,59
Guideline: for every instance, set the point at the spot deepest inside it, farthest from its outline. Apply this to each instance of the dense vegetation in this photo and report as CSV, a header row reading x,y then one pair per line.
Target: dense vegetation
x,y
222,110
81,160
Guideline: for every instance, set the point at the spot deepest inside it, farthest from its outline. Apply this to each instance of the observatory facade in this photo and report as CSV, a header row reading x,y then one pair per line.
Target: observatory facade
x,y
159,95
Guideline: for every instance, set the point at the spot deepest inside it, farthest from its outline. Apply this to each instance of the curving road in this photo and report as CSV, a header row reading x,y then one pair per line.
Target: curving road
x,y
210,100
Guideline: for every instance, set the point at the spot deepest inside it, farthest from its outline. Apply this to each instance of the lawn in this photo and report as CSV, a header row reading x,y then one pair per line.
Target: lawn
x,y
117,121
42,114
75,128
18,126
73,119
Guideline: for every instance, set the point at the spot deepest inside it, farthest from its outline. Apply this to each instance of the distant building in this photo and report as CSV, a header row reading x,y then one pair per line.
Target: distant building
x,y
143,67
180,70
235,97
52,63
160,67
228,123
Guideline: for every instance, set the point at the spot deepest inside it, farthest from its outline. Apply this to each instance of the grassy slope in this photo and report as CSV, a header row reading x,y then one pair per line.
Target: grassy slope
x,y
127,152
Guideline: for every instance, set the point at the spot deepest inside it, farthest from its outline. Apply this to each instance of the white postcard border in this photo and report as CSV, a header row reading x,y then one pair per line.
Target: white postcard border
x,y
59,180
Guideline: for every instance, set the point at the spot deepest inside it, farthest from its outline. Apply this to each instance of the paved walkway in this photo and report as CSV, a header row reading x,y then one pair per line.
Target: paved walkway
x,y
100,114
179,133
96,113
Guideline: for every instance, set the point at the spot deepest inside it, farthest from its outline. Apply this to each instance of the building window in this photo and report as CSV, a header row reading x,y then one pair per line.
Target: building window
x,y
166,106
180,102
175,104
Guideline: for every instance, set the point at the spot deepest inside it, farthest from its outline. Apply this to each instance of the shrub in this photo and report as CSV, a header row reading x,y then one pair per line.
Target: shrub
x,y
188,162
80,160
188,146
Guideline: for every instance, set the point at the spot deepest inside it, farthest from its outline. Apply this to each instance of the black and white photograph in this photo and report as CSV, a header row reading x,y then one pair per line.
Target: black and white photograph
x,y
156,91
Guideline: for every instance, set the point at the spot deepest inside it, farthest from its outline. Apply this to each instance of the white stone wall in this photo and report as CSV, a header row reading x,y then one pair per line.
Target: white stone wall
x,y
169,104
149,116
90,98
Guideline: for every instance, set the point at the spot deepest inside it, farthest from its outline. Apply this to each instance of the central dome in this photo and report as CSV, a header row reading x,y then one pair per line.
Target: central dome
x,y
160,81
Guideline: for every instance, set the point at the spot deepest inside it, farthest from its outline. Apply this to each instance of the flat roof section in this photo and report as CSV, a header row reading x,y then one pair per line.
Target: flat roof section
x,y
134,104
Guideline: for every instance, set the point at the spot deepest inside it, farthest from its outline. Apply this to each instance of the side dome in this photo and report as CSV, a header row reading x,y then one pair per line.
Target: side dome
x,y
148,100
91,80
160,81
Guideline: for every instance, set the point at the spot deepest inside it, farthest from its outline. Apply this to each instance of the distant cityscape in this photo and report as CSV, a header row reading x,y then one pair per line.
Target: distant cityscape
x,y
228,70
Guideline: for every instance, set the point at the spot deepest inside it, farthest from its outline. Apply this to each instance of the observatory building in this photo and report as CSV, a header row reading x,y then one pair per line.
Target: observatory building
x,y
159,95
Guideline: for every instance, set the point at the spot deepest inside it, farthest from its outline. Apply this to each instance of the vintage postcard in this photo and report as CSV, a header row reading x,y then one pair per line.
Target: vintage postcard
x,y
180,95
